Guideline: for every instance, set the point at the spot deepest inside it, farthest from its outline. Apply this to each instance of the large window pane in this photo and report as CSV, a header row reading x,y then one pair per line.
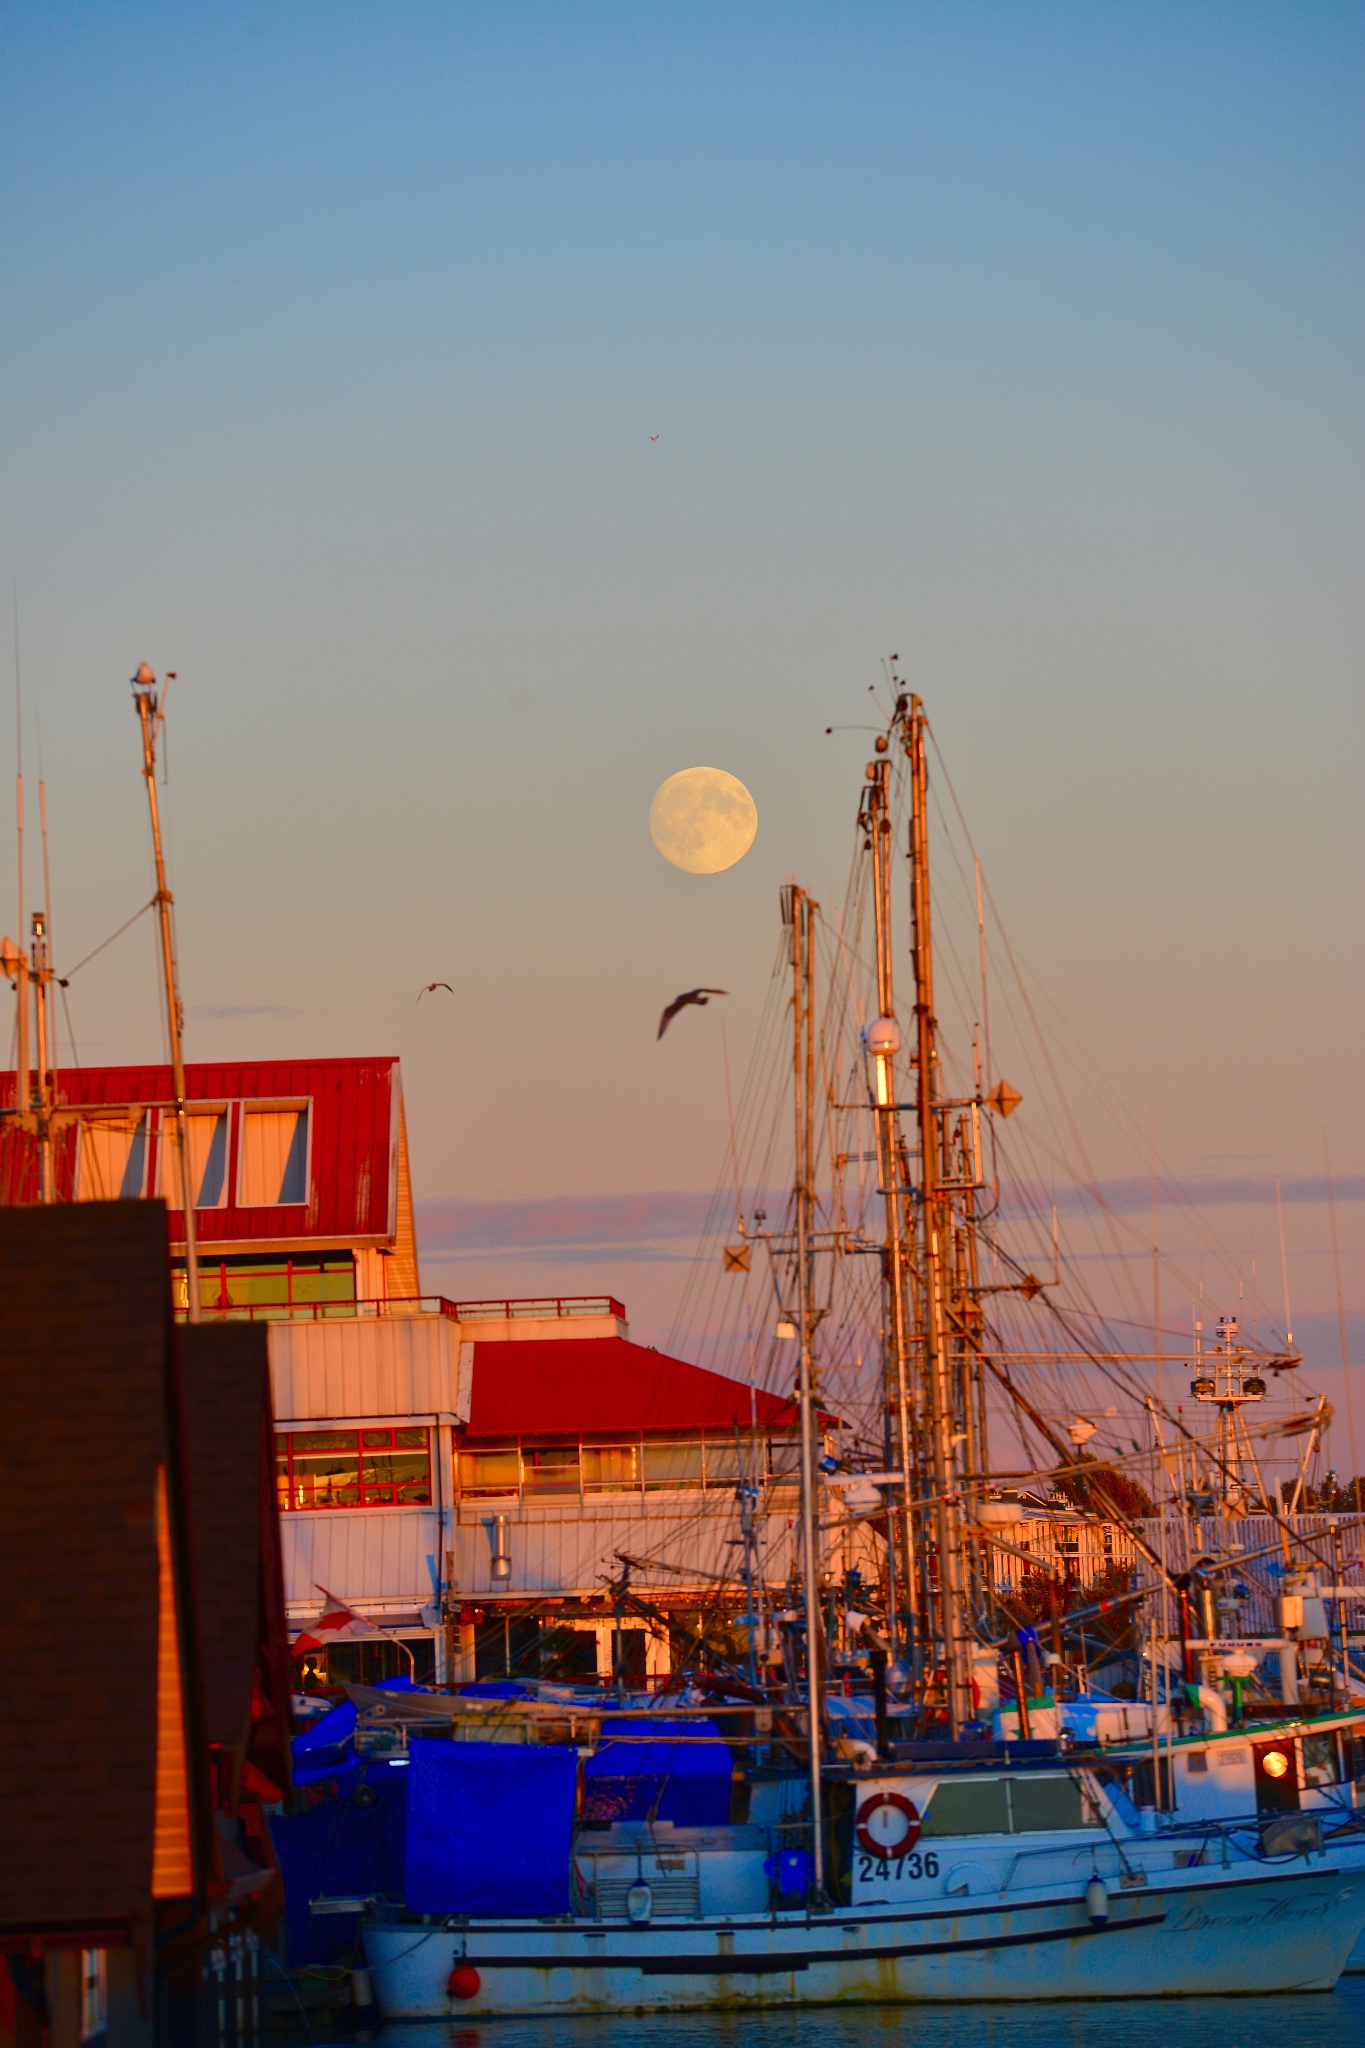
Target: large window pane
x,y
208,1137
669,1465
349,1468
550,1469
274,1168
611,1468
490,1471
784,1456
112,1163
725,1461
326,1469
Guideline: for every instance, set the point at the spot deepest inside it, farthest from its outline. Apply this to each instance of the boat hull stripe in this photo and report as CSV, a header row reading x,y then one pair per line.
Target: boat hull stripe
x,y
779,1966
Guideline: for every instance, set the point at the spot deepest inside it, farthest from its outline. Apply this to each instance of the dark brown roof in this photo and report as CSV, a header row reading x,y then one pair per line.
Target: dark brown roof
x,y
84,1353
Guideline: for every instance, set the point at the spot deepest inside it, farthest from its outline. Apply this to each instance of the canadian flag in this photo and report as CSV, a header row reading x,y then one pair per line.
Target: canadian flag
x,y
334,1624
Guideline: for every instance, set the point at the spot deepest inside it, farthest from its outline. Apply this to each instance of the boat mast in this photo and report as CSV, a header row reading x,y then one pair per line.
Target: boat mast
x,y
798,912
149,718
936,1215
884,1043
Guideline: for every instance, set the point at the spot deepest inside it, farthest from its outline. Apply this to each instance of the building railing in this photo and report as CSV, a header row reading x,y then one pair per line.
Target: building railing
x,y
539,1308
323,1311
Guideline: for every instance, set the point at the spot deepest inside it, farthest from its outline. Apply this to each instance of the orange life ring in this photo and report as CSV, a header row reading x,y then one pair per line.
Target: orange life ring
x,y
887,1825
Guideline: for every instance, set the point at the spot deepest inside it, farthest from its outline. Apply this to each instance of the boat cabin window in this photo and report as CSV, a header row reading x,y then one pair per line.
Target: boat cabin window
x,y
1139,1783
1004,1806
969,1806
1046,1803
1319,1754
353,1468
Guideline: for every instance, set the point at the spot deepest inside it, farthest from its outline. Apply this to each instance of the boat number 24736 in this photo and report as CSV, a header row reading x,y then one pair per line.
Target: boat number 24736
x,y
912,1866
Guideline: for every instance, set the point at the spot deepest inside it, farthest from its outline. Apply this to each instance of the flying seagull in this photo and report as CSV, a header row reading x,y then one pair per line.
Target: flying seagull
x,y
653,437
693,995
432,985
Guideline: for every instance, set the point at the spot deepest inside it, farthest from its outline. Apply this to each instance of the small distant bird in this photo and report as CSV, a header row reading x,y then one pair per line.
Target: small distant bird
x,y
693,995
432,986
653,437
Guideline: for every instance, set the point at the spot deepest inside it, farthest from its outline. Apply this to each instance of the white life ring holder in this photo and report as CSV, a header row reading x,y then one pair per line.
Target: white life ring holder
x,y
881,1812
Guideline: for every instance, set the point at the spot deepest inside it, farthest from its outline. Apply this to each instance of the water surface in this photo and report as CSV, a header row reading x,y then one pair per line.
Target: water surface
x,y
1324,2020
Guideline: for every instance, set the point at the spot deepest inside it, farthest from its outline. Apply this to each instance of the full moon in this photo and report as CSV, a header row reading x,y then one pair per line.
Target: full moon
x,y
703,820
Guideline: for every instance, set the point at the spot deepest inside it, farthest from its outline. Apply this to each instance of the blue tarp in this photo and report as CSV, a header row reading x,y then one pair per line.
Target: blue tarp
x,y
347,1847
326,1746
490,1827
687,1783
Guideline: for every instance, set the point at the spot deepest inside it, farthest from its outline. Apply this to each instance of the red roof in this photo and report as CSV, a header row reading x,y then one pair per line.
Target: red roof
x,y
352,1145
574,1386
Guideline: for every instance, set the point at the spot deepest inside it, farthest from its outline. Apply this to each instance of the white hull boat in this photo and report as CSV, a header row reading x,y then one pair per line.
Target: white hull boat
x,y
681,1919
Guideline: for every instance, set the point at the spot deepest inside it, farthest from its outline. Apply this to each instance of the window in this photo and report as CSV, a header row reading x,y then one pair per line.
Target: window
x,y
490,1471
784,1457
971,1806
274,1165
725,1461
551,1468
1319,1760
208,1138
1037,1803
999,1806
672,1465
353,1468
611,1468
112,1165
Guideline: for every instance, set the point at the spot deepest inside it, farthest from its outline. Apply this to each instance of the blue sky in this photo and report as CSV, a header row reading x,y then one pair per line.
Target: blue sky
x,y
1024,341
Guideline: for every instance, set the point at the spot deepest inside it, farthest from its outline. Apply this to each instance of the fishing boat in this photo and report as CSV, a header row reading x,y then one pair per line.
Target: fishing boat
x,y
917,1811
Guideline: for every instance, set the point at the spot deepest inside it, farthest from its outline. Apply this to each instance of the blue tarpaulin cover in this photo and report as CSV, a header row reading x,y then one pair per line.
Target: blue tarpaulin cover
x,y
490,1827
346,1847
326,1746
687,1783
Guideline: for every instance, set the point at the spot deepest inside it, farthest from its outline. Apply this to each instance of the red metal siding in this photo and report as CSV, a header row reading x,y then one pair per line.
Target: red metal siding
x,y
352,1119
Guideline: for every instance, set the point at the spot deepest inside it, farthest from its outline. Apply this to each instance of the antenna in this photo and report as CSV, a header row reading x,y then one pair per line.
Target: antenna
x,y
1341,1322
51,1059
23,1103
1284,1267
149,718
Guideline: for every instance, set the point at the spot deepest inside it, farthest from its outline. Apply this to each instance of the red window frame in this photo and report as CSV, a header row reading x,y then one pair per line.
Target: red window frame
x,y
369,1442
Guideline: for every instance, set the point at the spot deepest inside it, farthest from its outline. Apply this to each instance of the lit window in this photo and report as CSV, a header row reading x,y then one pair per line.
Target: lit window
x,y
490,1471
672,1465
208,1139
353,1468
274,1166
551,1468
112,1165
611,1468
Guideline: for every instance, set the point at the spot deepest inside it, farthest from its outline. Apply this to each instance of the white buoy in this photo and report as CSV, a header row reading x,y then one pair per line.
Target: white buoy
x,y
639,1904
1096,1902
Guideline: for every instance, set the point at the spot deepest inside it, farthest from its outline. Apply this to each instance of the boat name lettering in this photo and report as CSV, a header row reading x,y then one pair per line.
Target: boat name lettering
x,y
1195,1919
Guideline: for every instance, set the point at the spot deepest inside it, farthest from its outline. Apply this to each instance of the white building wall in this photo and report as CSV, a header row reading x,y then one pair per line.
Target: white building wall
x,y
572,1551
354,1368
375,1559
